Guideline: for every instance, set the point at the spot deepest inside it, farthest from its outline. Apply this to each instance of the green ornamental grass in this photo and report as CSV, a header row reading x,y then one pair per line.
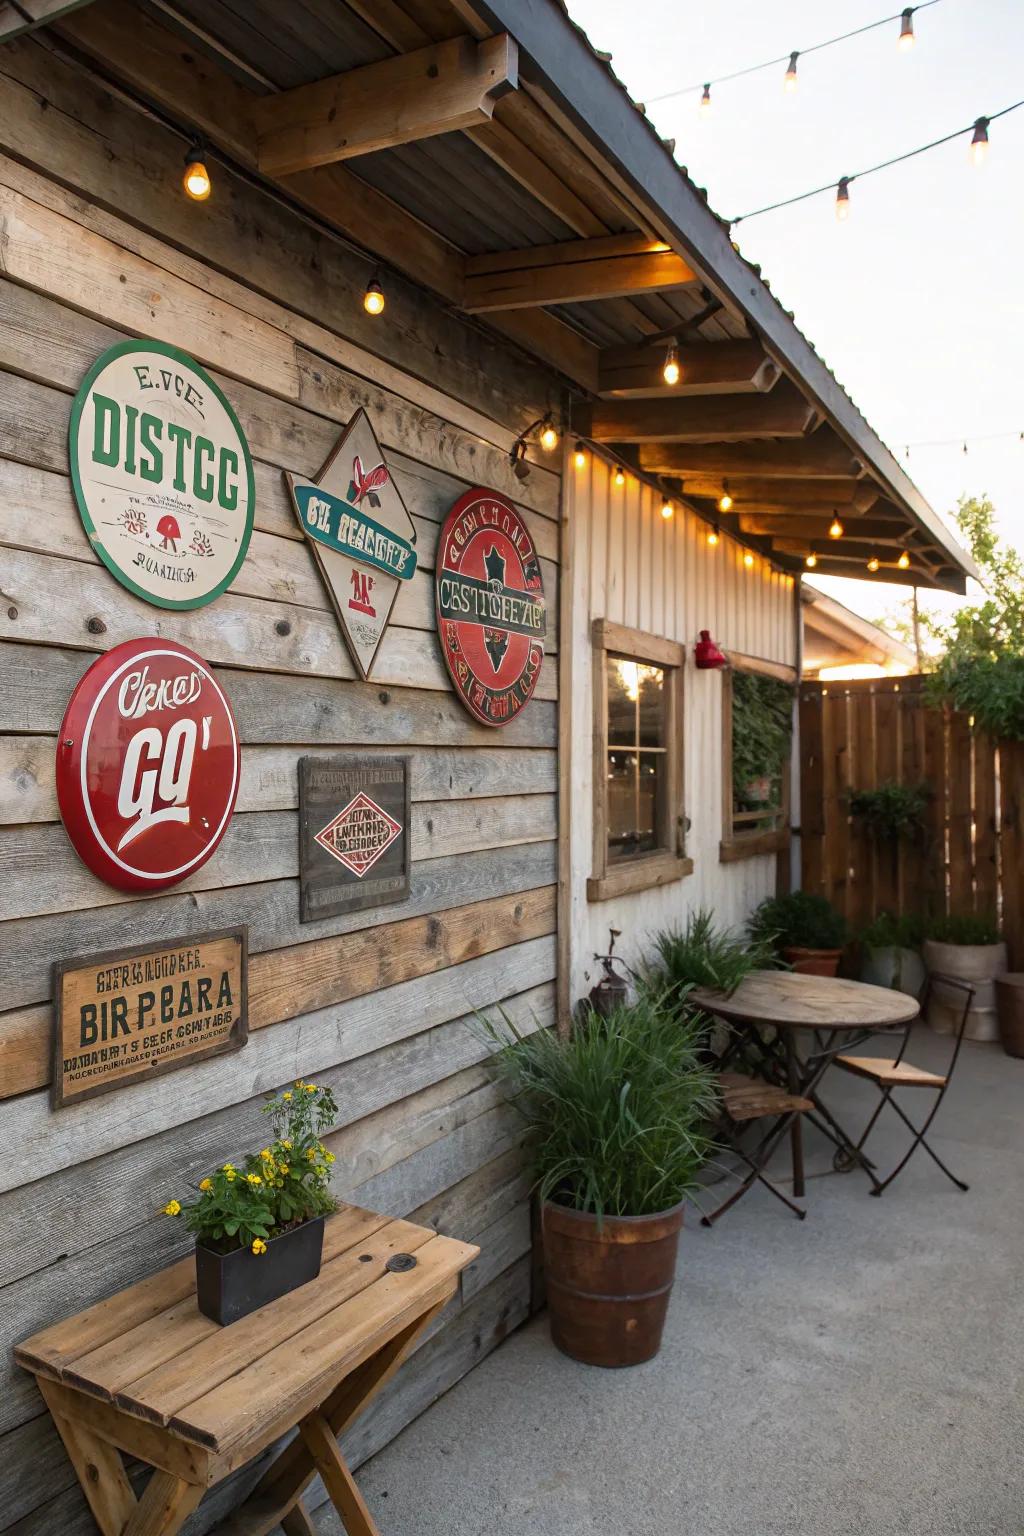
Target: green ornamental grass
x,y
700,954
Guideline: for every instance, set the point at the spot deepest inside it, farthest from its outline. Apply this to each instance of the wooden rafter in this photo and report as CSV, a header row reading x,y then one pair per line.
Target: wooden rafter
x,y
759,492
815,525
438,89
820,456
710,418
573,271
721,368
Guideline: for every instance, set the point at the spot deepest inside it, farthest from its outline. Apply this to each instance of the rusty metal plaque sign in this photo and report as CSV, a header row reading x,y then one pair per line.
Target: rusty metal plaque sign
x,y
353,834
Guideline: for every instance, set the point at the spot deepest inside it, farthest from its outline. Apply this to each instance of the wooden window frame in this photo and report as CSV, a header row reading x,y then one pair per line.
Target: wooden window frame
x,y
645,870
734,845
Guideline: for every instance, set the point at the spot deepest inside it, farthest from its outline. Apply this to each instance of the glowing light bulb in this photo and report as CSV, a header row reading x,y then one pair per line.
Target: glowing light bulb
x,y
873,563
835,529
811,561
620,475
724,501
713,536
667,509
373,298
843,199
789,83
748,560
705,102
906,41
671,372
979,142
904,561
196,181
579,457
548,436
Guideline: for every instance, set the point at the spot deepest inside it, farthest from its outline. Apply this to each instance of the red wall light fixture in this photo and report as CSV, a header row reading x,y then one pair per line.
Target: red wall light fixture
x,y
707,653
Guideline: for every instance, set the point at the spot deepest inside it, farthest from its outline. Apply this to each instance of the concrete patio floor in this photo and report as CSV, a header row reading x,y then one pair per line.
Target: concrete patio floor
x,y
855,1373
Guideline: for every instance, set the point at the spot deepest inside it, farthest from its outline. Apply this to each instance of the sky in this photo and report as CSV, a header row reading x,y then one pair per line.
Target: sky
x,y
916,302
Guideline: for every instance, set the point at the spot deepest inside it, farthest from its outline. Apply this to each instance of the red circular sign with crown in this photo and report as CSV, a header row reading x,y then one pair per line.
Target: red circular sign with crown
x,y
490,606
147,765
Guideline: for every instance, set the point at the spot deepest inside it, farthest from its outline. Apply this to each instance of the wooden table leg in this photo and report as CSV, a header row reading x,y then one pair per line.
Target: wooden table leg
x,y
164,1507
796,1135
337,1479
297,1522
100,1471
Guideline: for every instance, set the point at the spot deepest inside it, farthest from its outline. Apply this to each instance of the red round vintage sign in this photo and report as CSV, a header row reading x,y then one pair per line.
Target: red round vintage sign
x,y
147,765
490,606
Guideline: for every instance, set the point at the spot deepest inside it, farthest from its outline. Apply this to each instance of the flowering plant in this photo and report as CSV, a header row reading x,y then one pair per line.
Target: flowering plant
x,y
282,1185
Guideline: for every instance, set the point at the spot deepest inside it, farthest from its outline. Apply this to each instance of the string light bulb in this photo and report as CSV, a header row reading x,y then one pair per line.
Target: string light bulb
x,y
811,561
196,178
725,500
667,509
373,298
548,435
705,101
835,529
671,372
579,457
789,82
904,561
906,41
619,476
748,560
713,536
979,141
843,199
874,563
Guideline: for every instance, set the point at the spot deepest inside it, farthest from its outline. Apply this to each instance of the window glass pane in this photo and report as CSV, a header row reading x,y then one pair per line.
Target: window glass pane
x,y
623,691
636,788
651,683
650,790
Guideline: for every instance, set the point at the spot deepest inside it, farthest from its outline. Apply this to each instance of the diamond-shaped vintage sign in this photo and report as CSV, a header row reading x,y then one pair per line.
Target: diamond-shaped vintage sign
x,y
361,535
359,834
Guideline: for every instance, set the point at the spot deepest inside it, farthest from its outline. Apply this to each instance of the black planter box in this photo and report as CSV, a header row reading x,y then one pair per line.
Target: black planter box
x,y
231,1285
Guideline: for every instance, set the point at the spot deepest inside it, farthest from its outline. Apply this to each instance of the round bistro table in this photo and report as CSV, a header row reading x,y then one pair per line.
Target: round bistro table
x,y
839,1012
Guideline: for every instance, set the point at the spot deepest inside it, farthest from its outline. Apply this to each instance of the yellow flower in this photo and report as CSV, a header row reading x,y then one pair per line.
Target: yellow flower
x,y
231,1175
267,1155
287,1095
228,1168
299,1083
282,1168
258,1245
311,1154
287,1145
172,1208
253,1179
205,1184
311,1087
330,1157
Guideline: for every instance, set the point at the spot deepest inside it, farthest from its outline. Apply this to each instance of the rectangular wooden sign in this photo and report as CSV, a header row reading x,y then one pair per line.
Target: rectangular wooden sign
x,y
133,1013
353,834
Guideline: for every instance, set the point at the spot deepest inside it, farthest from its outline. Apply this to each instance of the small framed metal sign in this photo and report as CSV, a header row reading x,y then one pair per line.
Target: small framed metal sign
x,y
130,1014
353,834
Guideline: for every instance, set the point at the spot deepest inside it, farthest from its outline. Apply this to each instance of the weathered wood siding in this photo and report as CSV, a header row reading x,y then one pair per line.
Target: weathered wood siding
x,y
96,242
634,567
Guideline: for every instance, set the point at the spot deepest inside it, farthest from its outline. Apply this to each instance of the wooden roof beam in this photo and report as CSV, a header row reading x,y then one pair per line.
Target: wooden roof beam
x,y
572,272
438,89
720,368
755,493
819,456
710,418
815,527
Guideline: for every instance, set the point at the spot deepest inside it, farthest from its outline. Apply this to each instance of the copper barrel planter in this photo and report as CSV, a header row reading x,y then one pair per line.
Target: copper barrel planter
x,y
608,1287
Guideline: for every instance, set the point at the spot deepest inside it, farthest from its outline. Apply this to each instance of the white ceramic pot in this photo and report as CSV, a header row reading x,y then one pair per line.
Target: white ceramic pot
x,y
977,964
902,970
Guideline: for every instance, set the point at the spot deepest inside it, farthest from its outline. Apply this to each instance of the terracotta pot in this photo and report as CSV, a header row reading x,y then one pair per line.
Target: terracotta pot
x,y
231,1285
977,964
813,962
1010,1008
608,1287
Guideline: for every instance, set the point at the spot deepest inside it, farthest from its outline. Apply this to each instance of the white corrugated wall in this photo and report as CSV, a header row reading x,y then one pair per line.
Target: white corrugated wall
x,y
626,563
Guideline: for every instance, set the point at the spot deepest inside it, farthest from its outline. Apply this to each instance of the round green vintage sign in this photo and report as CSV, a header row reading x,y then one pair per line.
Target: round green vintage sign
x,y
162,474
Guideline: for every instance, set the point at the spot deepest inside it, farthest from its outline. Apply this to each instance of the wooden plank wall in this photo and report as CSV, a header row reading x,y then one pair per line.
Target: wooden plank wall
x,y
632,566
860,734
378,1004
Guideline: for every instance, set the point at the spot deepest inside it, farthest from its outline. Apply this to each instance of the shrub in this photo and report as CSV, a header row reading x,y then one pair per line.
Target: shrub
x,y
283,1184
967,928
762,723
892,810
618,1111
702,955
887,931
797,920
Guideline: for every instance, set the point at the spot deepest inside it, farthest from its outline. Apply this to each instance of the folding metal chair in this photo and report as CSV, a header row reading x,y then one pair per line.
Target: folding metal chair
x,y
745,1099
888,1074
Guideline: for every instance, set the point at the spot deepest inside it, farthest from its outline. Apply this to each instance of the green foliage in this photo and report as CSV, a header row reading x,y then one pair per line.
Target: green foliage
x,y
797,920
965,928
618,1111
701,955
887,931
892,810
982,671
762,724
283,1184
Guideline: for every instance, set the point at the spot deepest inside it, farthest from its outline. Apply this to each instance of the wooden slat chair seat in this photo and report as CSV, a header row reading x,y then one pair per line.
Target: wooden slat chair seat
x,y
745,1099
898,1074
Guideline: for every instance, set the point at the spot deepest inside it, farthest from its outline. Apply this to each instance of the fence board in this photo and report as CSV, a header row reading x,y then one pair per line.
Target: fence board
x,y
986,836
812,824
960,815
1011,793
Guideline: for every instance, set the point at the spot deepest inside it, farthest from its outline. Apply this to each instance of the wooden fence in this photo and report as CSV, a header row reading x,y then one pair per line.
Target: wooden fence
x,y
859,735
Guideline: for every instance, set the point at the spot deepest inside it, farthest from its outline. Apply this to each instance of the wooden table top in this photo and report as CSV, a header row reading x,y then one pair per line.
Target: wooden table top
x,y
151,1352
789,999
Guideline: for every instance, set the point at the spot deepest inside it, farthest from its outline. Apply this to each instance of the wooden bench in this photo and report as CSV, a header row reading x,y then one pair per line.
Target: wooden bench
x,y
145,1373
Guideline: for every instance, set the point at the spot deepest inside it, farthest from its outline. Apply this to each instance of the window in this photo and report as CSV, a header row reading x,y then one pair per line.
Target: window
x,y
638,761
757,727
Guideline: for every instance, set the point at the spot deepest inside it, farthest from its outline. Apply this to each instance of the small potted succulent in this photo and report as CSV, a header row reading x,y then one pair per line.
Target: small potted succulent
x,y
970,948
259,1225
804,930
891,953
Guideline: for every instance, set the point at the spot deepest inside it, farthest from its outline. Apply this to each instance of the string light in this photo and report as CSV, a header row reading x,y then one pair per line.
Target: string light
x,y
620,475
957,442
580,456
835,529
748,560
667,509
978,149
548,435
789,80
671,372
904,561
705,101
196,178
713,536
843,199
811,561
725,500
873,563
906,41
373,298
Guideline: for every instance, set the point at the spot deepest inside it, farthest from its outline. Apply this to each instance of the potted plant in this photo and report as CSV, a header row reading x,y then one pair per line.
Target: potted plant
x,y
970,948
804,929
891,953
259,1225
618,1112
893,812
700,954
